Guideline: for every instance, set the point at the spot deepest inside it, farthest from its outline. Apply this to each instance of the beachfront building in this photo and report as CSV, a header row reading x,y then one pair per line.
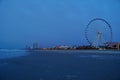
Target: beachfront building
x,y
62,47
115,45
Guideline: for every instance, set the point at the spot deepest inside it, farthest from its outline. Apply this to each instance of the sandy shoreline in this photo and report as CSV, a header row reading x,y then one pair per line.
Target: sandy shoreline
x,y
60,65
66,52
33,55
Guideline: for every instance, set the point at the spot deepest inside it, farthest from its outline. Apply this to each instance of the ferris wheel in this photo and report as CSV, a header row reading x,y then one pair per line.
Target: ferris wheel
x,y
98,33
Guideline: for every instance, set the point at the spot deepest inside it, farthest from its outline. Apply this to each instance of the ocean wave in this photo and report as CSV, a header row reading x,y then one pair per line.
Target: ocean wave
x,y
100,56
6,53
9,50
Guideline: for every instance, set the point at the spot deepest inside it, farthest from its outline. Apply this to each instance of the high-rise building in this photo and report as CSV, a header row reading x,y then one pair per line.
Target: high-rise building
x,y
35,46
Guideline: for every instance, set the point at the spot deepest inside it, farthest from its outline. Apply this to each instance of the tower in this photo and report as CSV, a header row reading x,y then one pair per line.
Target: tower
x,y
35,46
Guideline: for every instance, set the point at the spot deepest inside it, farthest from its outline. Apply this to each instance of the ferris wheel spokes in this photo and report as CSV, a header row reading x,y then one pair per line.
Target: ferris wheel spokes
x,y
98,34
99,39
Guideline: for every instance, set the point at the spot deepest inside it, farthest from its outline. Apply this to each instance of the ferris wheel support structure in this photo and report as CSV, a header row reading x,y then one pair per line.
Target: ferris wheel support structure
x,y
99,34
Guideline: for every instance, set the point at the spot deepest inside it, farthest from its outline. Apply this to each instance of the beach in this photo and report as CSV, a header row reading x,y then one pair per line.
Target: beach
x,y
61,65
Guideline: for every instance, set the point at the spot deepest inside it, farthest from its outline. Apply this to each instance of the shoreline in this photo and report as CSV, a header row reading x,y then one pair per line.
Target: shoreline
x,y
34,53
44,64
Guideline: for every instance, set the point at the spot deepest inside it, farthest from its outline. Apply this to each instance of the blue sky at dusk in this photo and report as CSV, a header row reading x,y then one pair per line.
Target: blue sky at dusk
x,y
53,22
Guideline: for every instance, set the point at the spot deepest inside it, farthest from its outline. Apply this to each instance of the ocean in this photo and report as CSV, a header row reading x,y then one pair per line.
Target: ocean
x,y
59,65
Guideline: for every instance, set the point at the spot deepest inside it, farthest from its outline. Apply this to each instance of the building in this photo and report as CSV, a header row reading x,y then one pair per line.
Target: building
x,y
35,46
115,45
62,47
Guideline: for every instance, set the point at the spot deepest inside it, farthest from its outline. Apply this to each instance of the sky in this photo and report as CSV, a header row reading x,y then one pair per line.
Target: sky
x,y
53,22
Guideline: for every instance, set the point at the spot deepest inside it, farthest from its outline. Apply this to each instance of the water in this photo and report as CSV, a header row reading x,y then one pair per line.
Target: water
x,y
6,53
60,65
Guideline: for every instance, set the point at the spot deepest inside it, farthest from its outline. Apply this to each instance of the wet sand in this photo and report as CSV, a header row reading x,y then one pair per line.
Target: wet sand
x,y
62,65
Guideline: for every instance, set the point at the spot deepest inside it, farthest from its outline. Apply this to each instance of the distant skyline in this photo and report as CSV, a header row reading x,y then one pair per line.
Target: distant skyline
x,y
53,22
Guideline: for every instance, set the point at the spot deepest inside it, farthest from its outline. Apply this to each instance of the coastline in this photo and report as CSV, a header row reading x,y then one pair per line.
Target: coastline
x,y
27,53
59,64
